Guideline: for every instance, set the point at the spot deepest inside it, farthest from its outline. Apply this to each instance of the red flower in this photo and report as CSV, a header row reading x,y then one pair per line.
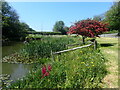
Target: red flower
x,y
49,67
43,69
46,74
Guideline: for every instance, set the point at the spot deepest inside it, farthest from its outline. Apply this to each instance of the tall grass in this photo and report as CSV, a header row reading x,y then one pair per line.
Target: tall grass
x,y
42,48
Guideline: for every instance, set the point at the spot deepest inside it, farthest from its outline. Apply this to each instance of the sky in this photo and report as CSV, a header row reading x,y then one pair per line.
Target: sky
x,y
41,16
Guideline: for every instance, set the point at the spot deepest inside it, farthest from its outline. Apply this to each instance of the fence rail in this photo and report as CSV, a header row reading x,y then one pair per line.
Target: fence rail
x,y
72,49
92,43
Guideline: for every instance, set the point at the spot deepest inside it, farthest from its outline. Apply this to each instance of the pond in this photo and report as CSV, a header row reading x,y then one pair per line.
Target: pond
x,y
11,47
14,70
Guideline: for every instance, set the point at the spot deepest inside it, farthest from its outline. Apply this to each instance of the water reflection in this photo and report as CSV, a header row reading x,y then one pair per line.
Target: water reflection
x,y
11,48
16,70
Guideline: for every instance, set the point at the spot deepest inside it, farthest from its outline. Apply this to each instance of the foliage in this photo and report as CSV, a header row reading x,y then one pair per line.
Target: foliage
x,y
39,51
112,16
10,21
34,36
59,27
12,28
42,48
99,17
83,68
66,29
26,27
111,31
88,28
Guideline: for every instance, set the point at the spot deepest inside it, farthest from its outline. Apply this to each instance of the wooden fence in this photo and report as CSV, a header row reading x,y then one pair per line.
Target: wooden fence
x,y
72,49
93,43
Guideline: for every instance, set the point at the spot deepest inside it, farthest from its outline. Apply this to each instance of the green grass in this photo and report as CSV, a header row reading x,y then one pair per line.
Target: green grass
x,y
112,31
82,68
109,48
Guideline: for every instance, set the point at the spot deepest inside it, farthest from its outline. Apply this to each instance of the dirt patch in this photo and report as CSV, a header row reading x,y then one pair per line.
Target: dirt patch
x,y
111,81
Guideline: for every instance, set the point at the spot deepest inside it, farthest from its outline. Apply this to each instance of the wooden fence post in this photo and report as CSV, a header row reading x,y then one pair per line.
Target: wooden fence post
x,y
95,44
83,39
52,55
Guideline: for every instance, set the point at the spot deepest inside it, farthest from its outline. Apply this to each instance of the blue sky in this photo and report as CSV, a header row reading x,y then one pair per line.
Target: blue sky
x,y
41,16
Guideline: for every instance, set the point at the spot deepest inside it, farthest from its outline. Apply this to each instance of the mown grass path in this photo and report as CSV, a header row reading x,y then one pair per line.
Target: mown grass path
x,y
109,48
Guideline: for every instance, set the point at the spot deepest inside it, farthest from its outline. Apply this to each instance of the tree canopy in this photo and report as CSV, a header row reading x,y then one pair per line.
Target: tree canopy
x,y
99,17
12,28
59,27
88,28
112,16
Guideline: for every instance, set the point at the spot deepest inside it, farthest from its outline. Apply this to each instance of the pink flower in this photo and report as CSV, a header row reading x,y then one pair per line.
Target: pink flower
x,y
49,67
43,69
47,74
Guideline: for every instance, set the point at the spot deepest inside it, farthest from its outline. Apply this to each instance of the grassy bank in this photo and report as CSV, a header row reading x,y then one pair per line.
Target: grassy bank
x,y
109,48
83,68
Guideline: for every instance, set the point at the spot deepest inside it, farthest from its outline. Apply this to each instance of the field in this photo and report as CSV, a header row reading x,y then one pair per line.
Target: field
x,y
82,68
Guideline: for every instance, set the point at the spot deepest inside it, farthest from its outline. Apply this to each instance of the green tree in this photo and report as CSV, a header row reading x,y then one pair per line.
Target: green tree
x,y
10,22
26,27
112,16
66,29
99,17
12,28
59,27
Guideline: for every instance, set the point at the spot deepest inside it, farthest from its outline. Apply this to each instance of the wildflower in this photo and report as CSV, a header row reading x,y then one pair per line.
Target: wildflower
x,y
93,65
47,74
43,69
91,62
82,62
49,67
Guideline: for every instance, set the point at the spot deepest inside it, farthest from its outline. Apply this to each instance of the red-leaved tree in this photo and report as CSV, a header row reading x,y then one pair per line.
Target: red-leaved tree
x,y
88,28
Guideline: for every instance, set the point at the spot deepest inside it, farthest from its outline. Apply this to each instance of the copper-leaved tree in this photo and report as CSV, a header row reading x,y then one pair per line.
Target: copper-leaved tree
x,y
88,28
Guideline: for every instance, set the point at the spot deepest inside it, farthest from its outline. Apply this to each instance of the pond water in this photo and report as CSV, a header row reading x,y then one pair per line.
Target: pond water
x,y
11,48
14,70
